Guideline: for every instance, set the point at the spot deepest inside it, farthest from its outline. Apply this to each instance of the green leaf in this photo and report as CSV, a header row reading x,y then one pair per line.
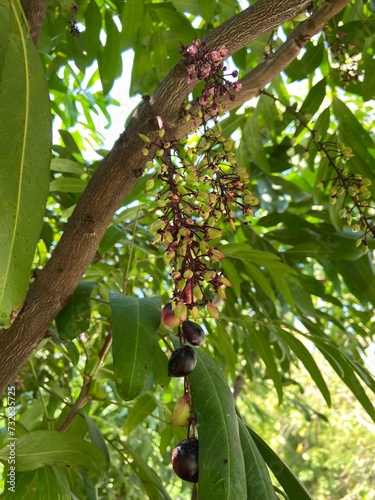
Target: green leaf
x,y
359,276
93,26
109,61
262,346
231,273
354,135
112,235
258,480
135,323
70,143
177,22
158,367
74,318
142,408
148,477
288,480
187,6
160,53
261,279
314,98
345,371
368,86
97,438
66,166
68,185
131,20
305,357
254,145
207,9
221,464
40,448
46,483
25,144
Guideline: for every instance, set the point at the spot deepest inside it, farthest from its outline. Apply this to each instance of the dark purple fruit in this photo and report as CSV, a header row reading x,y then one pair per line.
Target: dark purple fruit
x,y
185,459
182,362
193,333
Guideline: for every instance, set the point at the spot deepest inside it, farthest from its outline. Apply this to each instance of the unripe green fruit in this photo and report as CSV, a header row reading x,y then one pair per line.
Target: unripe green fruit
x,y
182,412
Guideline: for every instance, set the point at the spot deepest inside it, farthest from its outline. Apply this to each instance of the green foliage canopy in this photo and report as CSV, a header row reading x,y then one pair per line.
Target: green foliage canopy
x,y
301,269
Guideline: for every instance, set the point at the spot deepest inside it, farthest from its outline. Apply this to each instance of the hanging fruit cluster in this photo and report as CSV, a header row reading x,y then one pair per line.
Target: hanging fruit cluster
x,y
181,363
201,185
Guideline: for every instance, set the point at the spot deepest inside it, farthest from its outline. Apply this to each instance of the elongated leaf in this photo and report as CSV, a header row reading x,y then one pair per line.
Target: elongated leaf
x,y
160,52
135,323
263,348
27,483
258,480
354,135
207,8
25,142
148,477
65,165
314,98
110,62
97,438
305,357
131,19
45,483
254,145
175,21
221,463
345,371
261,279
40,448
68,185
368,87
93,25
288,480
143,407
75,317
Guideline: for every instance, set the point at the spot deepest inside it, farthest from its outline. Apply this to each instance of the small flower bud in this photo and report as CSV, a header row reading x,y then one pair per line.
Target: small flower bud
x,y
214,233
212,311
188,274
180,311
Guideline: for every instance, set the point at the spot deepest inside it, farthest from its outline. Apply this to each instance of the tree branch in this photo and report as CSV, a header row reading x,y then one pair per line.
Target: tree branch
x,y
118,172
84,395
255,81
34,11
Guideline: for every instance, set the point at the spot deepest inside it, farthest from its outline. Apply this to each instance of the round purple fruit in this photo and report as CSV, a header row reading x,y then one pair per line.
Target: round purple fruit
x,y
185,459
193,333
182,362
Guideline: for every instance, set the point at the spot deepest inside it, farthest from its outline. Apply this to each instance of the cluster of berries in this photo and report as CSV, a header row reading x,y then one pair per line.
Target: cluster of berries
x,y
201,185
185,456
206,65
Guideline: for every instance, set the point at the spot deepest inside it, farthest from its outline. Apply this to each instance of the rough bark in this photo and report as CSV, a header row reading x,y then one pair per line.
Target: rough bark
x,y
54,285
34,11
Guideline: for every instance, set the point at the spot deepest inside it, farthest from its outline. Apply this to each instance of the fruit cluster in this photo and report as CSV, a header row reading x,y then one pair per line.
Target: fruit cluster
x,y
182,362
202,187
206,65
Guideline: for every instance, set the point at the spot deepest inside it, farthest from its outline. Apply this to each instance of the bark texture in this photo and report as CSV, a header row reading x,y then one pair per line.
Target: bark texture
x,y
53,286
34,11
